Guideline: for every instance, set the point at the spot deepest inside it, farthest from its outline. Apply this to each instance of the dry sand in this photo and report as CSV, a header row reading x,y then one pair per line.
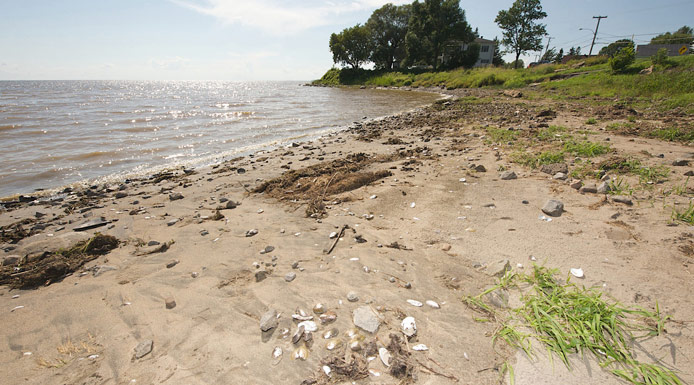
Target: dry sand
x,y
84,328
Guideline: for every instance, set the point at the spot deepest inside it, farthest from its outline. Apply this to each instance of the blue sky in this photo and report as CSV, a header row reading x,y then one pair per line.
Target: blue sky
x,y
255,40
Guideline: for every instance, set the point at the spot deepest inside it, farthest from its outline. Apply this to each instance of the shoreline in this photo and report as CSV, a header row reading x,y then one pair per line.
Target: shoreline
x,y
415,217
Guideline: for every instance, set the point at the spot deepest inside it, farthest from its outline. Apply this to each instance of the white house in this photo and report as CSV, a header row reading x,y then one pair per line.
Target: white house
x,y
486,52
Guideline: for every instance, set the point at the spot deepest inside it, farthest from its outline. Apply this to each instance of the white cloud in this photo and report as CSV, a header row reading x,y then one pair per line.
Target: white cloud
x,y
278,17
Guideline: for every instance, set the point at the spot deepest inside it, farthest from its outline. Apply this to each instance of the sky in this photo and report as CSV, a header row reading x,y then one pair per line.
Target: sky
x,y
258,39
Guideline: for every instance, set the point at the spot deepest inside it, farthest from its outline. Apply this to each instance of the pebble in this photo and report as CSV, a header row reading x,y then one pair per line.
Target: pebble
x,y
508,175
290,276
576,184
433,304
622,199
604,187
260,275
143,348
352,297
333,235
172,263
204,232
251,232
172,222
553,208
365,318
412,205
268,320
175,196
420,347
267,249
414,302
170,303
559,176
680,162
588,188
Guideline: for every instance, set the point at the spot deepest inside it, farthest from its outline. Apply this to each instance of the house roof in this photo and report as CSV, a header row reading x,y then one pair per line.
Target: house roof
x,y
483,41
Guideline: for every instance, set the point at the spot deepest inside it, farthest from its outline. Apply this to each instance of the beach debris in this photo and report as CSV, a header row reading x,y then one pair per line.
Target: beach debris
x,y
301,315
277,354
298,334
267,249
260,211
356,344
143,348
16,308
414,302
327,370
544,218
319,308
334,343
260,275
337,238
94,223
251,232
328,317
508,175
352,332
290,276
333,235
172,263
328,334
170,302
309,326
553,208
175,196
352,297
385,356
300,353
433,304
269,320
420,348
365,318
408,326
578,273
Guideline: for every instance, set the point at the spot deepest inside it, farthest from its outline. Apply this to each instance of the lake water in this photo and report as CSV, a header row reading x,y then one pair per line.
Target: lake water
x,y
55,133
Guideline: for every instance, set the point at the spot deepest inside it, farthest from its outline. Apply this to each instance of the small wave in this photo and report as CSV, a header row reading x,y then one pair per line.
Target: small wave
x,y
7,127
91,155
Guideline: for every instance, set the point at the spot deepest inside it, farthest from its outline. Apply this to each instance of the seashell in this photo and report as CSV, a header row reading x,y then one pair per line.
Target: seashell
x,y
420,347
309,326
283,333
300,317
374,372
409,326
319,308
352,332
298,334
385,356
331,333
327,370
578,273
300,353
414,302
308,337
277,352
356,345
433,304
328,317
333,343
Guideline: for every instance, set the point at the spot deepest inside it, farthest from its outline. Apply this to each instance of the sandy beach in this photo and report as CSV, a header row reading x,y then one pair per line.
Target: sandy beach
x,y
410,207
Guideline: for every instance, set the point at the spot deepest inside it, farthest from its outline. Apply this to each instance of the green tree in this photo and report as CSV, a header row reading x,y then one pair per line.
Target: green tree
x,y
550,55
498,59
433,25
352,46
621,61
559,56
457,57
684,35
522,32
388,26
613,48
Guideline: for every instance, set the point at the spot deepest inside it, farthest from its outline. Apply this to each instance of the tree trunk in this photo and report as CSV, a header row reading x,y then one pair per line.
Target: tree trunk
x,y
515,63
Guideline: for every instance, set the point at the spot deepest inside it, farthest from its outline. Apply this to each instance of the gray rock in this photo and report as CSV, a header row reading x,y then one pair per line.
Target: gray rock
x,y
231,205
153,243
175,196
553,208
172,263
267,249
121,194
352,297
689,173
508,175
479,168
365,318
576,184
680,162
170,303
290,276
269,320
622,199
498,269
604,187
560,176
261,275
588,188
10,260
94,223
554,168
143,348
172,222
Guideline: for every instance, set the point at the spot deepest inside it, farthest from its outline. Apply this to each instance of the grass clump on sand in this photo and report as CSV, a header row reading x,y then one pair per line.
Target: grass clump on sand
x,y
686,216
566,320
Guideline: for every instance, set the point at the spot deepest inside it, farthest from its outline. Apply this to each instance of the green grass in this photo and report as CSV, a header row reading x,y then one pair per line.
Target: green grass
x,y
586,148
552,133
536,160
499,135
619,186
568,320
673,134
592,121
686,216
646,174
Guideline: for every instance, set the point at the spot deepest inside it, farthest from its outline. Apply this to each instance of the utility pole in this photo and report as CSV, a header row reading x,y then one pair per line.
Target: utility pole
x,y
549,38
595,34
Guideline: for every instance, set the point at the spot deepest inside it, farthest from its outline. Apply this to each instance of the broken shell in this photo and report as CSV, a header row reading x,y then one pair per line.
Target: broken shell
x,y
327,370
277,352
300,353
298,334
385,356
327,317
308,337
319,308
420,347
433,304
578,273
333,343
409,327
355,345
283,333
330,333
374,372
309,326
352,332
300,317
414,302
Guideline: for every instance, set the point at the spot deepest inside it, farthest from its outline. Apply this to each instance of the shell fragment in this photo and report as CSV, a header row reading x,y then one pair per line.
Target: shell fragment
x,y
409,326
414,302
420,347
578,273
385,356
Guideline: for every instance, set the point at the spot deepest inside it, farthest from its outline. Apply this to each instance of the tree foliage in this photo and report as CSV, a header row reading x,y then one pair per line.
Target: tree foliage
x,y
684,35
621,61
551,55
458,57
388,26
352,46
522,32
613,48
498,59
433,25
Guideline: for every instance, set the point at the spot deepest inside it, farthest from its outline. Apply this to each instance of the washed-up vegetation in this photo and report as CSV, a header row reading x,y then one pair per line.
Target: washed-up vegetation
x,y
568,320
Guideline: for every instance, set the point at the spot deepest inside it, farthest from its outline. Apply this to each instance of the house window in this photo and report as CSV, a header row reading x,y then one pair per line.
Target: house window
x,y
484,61
485,48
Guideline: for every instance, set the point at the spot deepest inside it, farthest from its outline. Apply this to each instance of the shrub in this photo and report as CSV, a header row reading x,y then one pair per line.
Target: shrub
x,y
660,58
621,61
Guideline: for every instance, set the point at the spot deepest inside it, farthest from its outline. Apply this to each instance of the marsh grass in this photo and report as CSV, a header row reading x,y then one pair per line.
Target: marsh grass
x,y
619,186
686,216
586,148
567,320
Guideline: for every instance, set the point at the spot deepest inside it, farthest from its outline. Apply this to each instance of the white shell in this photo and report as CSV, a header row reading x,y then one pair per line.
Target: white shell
x,y
409,326
309,326
414,302
412,205
327,370
385,356
277,352
578,273
301,353
420,347
333,235
433,304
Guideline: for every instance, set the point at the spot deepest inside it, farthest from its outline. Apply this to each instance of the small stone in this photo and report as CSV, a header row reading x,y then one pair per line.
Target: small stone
x,y
172,222
480,168
170,303
433,304
689,173
267,249
604,187
553,208
121,194
269,320
446,247
143,348
260,275
194,274
408,285
508,175
290,276
153,243
352,297
588,188
172,263
204,232
333,235
622,199
10,260
231,205
295,265
680,162
576,184
175,196
559,176
251,232
365,318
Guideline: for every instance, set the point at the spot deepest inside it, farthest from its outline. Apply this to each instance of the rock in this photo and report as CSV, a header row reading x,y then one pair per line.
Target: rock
x,y
269,320
479,168
333,235
231,205
604,187
261,275
559,176
121,194
153,243
172,263
170,303
622,199
290,276
251,232
365,318
513,93
689,173
553,208
680,162
172,222
175,196
554,168
588,188
352,297
576,184
508,175
499,268
143,348
94,223
446,247
10,260
267,249
433,304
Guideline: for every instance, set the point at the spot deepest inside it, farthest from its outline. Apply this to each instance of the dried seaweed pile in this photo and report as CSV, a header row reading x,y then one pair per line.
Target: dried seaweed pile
x,y
34,271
